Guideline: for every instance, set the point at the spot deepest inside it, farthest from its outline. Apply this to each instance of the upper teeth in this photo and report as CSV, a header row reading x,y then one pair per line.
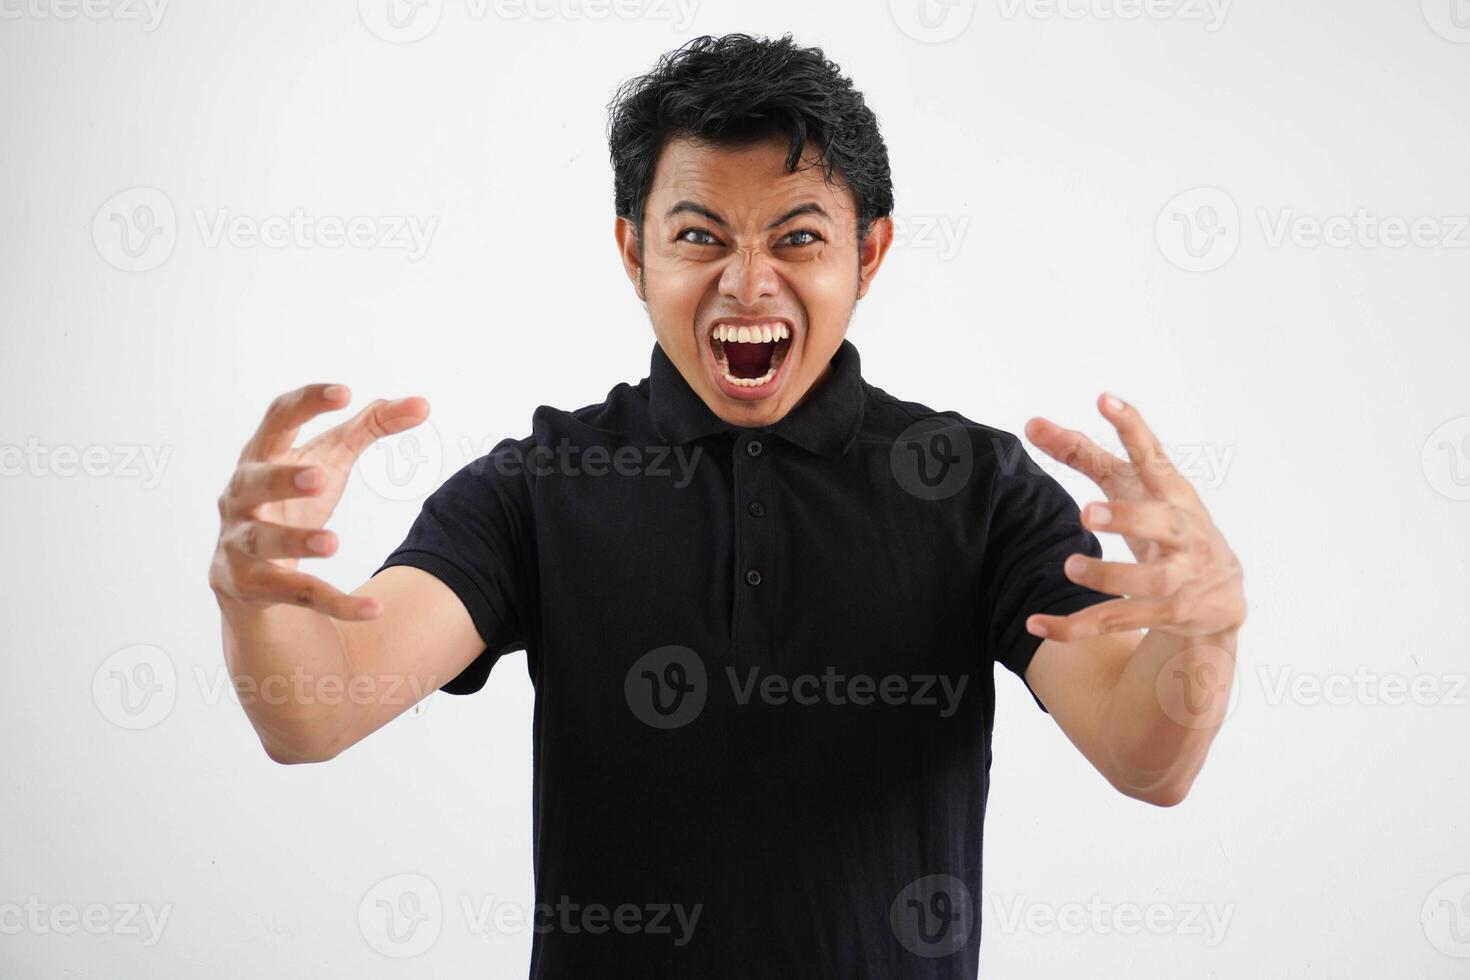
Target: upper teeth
x,y
762,333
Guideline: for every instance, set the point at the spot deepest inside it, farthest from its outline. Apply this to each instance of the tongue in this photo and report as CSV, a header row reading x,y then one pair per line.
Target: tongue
x,y
749,360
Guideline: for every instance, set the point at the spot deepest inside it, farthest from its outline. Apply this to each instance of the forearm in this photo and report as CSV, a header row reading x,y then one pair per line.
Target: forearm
x,y
1164,711
290,669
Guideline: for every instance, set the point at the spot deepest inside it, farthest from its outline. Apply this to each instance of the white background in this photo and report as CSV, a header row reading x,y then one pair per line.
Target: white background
x,y
1038,157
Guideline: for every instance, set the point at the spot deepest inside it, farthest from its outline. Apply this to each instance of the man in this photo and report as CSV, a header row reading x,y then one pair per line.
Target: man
x,y
760,599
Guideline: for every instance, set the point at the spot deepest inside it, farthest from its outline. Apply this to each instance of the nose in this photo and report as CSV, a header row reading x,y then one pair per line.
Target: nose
x,y
749,276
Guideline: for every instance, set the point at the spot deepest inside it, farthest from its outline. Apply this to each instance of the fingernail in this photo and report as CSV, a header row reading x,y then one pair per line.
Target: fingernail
x,y
1113,402
334,392
370,610
1100,514
1075,566
320,543
1036,629
308,479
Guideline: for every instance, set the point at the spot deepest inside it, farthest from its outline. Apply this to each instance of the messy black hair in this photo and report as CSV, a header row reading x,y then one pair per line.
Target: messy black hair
x,y
738,90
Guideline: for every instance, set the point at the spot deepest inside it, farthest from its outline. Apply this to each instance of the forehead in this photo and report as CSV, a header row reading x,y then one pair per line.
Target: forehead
x,y
746,181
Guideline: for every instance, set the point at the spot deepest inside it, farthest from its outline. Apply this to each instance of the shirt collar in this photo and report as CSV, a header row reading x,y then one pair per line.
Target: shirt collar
x,y
826,422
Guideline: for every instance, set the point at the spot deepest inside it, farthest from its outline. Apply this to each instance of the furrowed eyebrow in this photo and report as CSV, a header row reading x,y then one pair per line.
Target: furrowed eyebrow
x,y
694,207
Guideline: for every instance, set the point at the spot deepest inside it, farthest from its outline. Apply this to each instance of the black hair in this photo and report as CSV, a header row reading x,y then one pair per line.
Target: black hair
x,y
739,90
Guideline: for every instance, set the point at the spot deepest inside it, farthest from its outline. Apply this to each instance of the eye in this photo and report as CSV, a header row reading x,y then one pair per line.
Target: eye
x,y
804,231
681,237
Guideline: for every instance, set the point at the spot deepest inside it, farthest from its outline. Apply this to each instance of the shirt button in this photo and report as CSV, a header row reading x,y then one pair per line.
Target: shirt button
x,y
757,509
752,577
753,447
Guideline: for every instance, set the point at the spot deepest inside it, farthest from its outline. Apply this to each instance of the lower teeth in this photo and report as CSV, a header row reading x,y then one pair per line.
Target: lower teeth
x,y
777,356
751,382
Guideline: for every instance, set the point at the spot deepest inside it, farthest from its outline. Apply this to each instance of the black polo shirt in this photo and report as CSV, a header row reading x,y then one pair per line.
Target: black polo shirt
x,y
763,670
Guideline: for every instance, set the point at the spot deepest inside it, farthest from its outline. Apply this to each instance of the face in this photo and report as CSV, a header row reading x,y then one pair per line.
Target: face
x,y
750,274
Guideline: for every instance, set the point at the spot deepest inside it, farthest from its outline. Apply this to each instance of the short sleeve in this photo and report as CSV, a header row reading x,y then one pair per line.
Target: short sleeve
x,y
474,534
1034,524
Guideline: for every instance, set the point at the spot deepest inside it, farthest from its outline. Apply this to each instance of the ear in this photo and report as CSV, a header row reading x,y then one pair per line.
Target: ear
x,y
871,252
627,239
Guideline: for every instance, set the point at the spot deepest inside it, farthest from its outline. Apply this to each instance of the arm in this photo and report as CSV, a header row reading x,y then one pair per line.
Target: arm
x,y
1104,693
1142,707
313,686
317,670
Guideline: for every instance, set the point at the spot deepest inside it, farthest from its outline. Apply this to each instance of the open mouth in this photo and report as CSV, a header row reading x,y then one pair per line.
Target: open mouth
x,y
749,356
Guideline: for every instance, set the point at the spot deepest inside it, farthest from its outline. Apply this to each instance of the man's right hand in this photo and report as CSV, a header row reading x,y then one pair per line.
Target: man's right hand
x,y
275,508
